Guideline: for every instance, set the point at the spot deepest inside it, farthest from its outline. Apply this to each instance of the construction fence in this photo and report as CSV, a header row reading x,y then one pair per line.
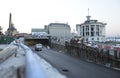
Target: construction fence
x,y
6,39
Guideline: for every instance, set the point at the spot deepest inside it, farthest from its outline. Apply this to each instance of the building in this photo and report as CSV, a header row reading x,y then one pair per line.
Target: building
x,y
22,35
91,30
37,32
11,31
59,30
113,39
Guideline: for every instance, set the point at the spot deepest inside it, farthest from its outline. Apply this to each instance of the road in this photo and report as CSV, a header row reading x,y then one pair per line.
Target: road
x,y
75,67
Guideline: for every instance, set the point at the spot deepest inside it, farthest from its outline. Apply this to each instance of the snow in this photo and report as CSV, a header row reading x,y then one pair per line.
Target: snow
x,y
14,61
3,46
8,69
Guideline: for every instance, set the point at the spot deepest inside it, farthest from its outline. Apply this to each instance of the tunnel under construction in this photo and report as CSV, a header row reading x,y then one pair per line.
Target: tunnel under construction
x,y
33,41
28,41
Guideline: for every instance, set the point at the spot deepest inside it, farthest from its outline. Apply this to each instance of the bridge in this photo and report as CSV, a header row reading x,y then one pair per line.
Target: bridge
x,y
49,63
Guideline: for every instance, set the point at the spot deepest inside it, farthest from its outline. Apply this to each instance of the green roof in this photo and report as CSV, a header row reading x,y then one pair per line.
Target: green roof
x,y
38,30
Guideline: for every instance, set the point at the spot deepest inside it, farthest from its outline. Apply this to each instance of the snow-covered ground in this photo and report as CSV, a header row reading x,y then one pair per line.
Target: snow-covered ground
x,y
8,69
3,46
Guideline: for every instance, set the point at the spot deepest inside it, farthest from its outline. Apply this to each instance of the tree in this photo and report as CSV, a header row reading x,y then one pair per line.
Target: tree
x,y
1,31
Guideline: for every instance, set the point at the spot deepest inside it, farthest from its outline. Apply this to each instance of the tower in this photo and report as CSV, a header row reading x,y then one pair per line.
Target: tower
x,y
10,21
11,31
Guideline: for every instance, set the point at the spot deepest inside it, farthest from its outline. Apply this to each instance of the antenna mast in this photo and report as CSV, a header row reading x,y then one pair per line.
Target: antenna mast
x,y
88,11
88,17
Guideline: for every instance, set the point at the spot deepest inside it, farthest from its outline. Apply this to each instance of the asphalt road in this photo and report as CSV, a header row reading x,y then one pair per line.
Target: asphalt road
x,y
76,68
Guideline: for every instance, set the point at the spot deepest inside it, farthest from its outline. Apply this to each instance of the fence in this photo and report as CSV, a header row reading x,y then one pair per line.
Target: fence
x,y
6,40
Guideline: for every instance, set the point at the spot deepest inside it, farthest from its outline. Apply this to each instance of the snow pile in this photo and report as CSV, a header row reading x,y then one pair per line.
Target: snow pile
x,y
8,72
8,69
3,46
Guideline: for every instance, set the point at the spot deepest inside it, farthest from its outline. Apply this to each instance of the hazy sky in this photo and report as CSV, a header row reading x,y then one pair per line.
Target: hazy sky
x,y
27,14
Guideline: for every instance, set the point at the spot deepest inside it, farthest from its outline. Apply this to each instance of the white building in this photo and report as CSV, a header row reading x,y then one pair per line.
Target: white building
x,y
37,32
91,30
59,30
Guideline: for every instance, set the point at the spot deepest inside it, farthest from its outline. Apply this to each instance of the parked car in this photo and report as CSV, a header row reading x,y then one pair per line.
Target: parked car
x,y
38,47
92,44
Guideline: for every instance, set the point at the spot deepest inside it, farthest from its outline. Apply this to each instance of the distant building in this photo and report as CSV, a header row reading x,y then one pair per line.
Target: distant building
x,y
22,35
113,39
37,32
11,31
59,30
91,30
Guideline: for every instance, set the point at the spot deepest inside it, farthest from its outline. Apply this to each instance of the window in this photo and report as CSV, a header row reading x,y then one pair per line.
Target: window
x,y
83,34
97,28
87,28
97,33
83,28
97,38
87,33
92,33
92,38
92,27
86,39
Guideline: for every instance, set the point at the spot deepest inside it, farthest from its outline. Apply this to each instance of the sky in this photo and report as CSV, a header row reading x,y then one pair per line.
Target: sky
x,y
27,14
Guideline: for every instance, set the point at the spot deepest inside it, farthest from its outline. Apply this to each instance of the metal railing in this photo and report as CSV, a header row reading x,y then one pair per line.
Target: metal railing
x,y
33,68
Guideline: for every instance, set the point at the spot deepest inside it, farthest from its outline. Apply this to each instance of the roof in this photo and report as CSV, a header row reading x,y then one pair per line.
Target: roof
x,y
91,22
12,28
59,25
38,30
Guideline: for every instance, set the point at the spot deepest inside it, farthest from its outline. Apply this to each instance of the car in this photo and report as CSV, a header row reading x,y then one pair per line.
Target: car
x,y
92,44
38,47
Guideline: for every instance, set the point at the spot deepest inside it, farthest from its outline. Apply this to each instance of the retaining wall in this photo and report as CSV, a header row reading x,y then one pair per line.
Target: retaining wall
x,y
96,55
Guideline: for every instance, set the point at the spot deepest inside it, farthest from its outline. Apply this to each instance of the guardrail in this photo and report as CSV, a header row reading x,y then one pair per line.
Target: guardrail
x,y
33,68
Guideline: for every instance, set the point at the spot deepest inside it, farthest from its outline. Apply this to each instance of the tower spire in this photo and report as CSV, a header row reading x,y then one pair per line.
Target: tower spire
x,y
88,11
88,17
10,20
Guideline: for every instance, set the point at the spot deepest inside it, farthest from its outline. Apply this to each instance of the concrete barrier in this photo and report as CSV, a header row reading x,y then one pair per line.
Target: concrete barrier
x,y
33,69
7,52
